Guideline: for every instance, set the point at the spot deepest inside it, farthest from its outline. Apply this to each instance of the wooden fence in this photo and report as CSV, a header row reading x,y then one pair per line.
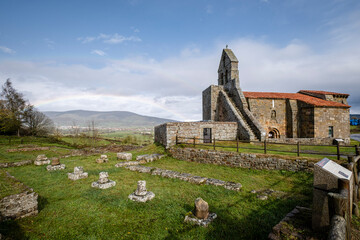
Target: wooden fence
x,y
265,148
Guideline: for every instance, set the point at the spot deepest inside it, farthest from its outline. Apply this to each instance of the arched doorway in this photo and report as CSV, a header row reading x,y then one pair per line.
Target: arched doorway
x,y
274,133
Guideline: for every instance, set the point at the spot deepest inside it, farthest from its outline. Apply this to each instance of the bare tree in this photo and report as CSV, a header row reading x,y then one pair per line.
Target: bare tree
x,y
37,123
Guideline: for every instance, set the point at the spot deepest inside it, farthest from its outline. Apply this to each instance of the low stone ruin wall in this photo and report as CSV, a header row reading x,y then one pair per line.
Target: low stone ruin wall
x,y
308,141
243,160
16,164
19,205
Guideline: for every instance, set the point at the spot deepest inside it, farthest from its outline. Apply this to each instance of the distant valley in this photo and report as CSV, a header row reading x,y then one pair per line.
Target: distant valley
x,y
112,119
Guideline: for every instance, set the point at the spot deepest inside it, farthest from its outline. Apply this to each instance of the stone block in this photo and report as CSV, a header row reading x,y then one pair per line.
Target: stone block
x,y
78,174
128,163
55,167
124,156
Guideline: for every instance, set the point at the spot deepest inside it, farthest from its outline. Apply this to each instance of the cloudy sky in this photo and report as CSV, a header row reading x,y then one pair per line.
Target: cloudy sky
x,y
156,57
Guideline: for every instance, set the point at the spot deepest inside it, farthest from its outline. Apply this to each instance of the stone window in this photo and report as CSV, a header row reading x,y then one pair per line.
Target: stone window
x,y
226,77
331,131
273,115
207,135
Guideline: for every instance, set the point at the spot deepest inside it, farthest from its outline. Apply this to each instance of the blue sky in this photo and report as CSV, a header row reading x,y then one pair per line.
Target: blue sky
x,y
156,57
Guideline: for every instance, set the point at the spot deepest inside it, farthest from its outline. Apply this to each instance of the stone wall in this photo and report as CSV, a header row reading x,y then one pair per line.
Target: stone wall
x,y
306,141
339,118
16,164
209,101
19,205
271,113
242,160
165,134
160,134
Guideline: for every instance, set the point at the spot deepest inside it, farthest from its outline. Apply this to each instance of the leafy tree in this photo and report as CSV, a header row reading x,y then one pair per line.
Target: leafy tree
x,y
12,108
17,115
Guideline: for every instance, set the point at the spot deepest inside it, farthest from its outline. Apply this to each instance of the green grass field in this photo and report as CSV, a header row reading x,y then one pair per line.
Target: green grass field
x,y
74,210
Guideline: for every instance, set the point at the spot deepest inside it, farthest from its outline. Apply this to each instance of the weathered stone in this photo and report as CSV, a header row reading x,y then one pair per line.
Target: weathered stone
x,y
16,164
338,228
201,215
141,194
77,174
141,188
124,156
233,186
41,160
201,208
242,160
103,181
19,205
55,161
262,197
149,157
55,167
103,158
41,157
127,163
201,222
326,179
139,168
216,182
197,180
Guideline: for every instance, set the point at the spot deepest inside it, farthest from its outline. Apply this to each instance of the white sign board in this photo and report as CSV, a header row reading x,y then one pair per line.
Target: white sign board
x,y
335,169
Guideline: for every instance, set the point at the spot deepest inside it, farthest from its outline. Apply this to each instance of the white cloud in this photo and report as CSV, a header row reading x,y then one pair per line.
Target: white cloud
x,y
112,39
6,50
172,88
98,52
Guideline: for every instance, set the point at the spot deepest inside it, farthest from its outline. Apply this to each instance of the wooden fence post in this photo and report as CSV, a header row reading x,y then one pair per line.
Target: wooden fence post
x,y
237,145
194,142
214,143
298,149
176,140
265,146
338,150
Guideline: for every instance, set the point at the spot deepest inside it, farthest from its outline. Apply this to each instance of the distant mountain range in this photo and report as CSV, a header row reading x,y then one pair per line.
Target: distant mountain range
x,y
354,116
113,119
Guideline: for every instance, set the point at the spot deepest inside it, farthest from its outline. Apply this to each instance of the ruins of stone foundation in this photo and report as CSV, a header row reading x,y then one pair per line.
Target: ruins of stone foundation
x,y
78,174
201,215
104,182
41,160
55,165
141,194
103,159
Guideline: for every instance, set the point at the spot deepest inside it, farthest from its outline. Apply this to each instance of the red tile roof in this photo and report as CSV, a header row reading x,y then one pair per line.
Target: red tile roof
x,y
323,92
295,96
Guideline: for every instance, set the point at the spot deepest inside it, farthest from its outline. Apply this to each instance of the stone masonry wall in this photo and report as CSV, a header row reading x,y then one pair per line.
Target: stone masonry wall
x,y
19,205
160,135
243,160
210,98
339,118
166,133
262,110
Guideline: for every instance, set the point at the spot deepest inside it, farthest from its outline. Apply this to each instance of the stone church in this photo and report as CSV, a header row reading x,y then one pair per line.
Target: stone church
x,y
314,117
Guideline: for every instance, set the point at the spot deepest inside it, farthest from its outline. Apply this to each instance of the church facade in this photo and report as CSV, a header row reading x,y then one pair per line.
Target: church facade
x,y
314,117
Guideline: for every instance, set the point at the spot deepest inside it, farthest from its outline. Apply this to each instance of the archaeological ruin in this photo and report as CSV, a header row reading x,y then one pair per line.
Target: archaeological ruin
x,y
313,117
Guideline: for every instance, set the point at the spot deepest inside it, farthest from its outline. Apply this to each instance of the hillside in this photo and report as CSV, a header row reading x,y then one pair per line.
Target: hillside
x,y
113,119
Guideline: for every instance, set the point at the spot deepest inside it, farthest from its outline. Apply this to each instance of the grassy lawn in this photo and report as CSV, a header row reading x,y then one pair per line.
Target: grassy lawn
x,y
56,148
133,137
73,210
